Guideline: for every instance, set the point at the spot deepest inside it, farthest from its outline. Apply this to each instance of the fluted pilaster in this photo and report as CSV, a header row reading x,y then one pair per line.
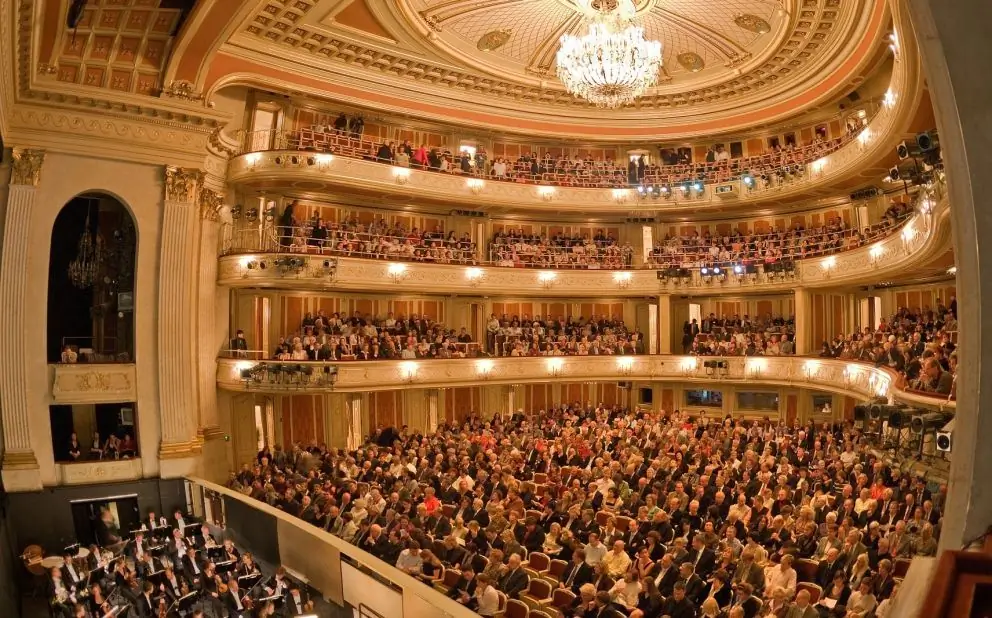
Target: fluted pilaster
x,y
804,328
432,403
355,409
177,331
20,467
209,333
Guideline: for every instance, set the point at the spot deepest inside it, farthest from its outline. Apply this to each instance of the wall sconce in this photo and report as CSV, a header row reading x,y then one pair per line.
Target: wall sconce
x,y
620,196
401,175
875,254
953,271
623,279
756,367
397,272
688,366
625,365
547,193
547,278
252,159
908,233
818,165
889,99
828,264
811,370
474,276
864,138
484,368
323,160
408,371
556,366
475,185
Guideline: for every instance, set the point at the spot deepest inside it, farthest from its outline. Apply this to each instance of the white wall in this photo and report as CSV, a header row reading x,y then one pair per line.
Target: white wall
x,y
140,188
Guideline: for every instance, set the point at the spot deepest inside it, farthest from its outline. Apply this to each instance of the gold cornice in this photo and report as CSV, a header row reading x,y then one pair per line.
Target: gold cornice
x,y
180,450
19,460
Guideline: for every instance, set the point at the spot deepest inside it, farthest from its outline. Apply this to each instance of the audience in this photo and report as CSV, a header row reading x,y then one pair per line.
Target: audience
x,y
697,515
514,248
737,336
564,336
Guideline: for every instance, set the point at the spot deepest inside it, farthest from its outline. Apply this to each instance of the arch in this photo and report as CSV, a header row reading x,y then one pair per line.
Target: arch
x,y
92,265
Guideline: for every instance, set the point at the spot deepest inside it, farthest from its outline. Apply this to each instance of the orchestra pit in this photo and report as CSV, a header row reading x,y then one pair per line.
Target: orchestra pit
x,y
500,308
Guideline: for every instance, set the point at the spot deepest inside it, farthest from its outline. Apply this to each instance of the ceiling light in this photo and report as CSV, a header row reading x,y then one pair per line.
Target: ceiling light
x,y
612,64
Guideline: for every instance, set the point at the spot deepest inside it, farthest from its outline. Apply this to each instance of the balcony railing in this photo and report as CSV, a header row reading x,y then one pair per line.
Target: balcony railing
x,y
852,378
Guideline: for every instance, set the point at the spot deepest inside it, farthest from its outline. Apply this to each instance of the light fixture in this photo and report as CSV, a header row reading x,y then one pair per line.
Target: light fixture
x,y
323,160
547,278
556,365
546,192
889,99
876,252
952,271
625,365
89,253
811,368
828,262
818,165
484,368
908,232
620,196
756,367
397,272
408,371
688,366
401,174
475,185
623,279
612,64
252,158
474,275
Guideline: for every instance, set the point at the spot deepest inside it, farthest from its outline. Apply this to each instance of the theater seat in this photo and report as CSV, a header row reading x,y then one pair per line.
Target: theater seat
x,y
448,580
815,592
555,570
537,594
516,609
805,569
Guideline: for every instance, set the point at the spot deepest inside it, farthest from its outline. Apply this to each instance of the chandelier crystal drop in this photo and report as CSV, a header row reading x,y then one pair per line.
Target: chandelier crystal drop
x,y
612,64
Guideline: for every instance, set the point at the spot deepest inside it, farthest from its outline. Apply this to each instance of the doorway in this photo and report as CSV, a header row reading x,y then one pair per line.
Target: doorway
x,y
86,517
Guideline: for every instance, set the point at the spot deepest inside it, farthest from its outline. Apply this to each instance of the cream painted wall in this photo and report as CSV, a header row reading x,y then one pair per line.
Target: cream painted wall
x,y
140,188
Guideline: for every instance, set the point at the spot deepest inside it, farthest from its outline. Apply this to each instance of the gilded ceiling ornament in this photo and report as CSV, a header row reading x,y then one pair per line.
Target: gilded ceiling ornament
x,y
494,39
691,61
210,204
182,89
26,166
182,184
753,23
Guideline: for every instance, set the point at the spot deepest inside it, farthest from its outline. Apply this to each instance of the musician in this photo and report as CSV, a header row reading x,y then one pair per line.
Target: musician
x,y
247,565
230,550
107,531
72,576
144,603
192,567
279,583
147,565
177,545
97,602
140,546
172,585
153,523
266,609
180,520
297,600
59,594
205,540
233,600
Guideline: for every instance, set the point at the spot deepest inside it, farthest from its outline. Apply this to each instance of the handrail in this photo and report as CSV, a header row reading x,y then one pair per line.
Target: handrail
x,y
405,582
854,378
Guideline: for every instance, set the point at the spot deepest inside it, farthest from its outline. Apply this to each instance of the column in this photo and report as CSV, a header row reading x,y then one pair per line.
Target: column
x,y
432,414
951,38
213,336
664,334
356,426
20,467
804,329
177,334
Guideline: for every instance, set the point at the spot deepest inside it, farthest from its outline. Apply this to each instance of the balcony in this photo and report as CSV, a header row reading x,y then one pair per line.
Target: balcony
x,y
93,383
924,236
87,472
843,377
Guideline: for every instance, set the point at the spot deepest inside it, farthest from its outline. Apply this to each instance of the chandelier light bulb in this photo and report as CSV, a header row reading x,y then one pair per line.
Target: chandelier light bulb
x,y
612,64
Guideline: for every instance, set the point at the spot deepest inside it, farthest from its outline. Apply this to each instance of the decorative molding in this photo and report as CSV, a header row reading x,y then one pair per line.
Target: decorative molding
x,y
182,89
180,450
26,166
19,459
83,473
94,383
210,204
182,185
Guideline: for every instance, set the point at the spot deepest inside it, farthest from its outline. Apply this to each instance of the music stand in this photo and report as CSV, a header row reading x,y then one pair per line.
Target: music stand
x,y
96,575
246,582
277,600
187,602
225,567
163,532
215,552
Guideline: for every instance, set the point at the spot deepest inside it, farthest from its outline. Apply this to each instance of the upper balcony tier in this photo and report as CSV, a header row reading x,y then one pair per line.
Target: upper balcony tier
x,y
844,377
265,260
324,161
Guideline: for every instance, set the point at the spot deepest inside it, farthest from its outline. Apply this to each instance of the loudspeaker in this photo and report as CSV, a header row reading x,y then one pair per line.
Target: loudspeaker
x,y
861,412
944,441
896,419
874,411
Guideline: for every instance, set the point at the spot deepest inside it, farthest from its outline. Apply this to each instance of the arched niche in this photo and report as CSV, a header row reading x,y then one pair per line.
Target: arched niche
x,y
91,281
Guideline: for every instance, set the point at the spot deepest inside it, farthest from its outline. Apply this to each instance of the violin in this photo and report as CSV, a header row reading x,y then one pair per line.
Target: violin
x,y
221,586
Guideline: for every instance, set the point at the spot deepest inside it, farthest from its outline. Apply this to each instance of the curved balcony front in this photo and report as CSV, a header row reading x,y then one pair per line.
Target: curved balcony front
x,y
838,376
924,236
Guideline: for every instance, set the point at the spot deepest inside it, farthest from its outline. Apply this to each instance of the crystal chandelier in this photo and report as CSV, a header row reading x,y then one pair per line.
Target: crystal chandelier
x,y
612,64
83,269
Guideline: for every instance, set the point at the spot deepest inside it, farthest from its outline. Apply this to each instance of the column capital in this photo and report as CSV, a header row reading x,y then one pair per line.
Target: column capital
x,y
210,204
26,166
182,184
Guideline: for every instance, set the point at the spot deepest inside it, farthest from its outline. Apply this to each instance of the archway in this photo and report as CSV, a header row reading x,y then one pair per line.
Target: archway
x,y
91,273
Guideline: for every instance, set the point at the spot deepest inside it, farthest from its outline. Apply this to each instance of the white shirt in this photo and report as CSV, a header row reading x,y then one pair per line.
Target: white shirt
x,y
595,555
488,601
775,577
626,593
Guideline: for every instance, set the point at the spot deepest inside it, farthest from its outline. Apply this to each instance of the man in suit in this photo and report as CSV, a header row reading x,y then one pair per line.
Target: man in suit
x,y
144,603
577,573
691,583
666,576
828,567
533,536
748,571
297,599
678,604
802,607
749,604
453,553
514,580
464,589
703,559
232,600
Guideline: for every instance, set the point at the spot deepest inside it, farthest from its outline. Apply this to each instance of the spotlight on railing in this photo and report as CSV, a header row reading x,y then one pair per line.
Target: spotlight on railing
x,y
408,371
474,275
625,365
475,185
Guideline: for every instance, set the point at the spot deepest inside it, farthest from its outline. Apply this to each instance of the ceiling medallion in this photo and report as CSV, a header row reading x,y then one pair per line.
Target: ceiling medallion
x,y
691,61
753,23
612,64
494,39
